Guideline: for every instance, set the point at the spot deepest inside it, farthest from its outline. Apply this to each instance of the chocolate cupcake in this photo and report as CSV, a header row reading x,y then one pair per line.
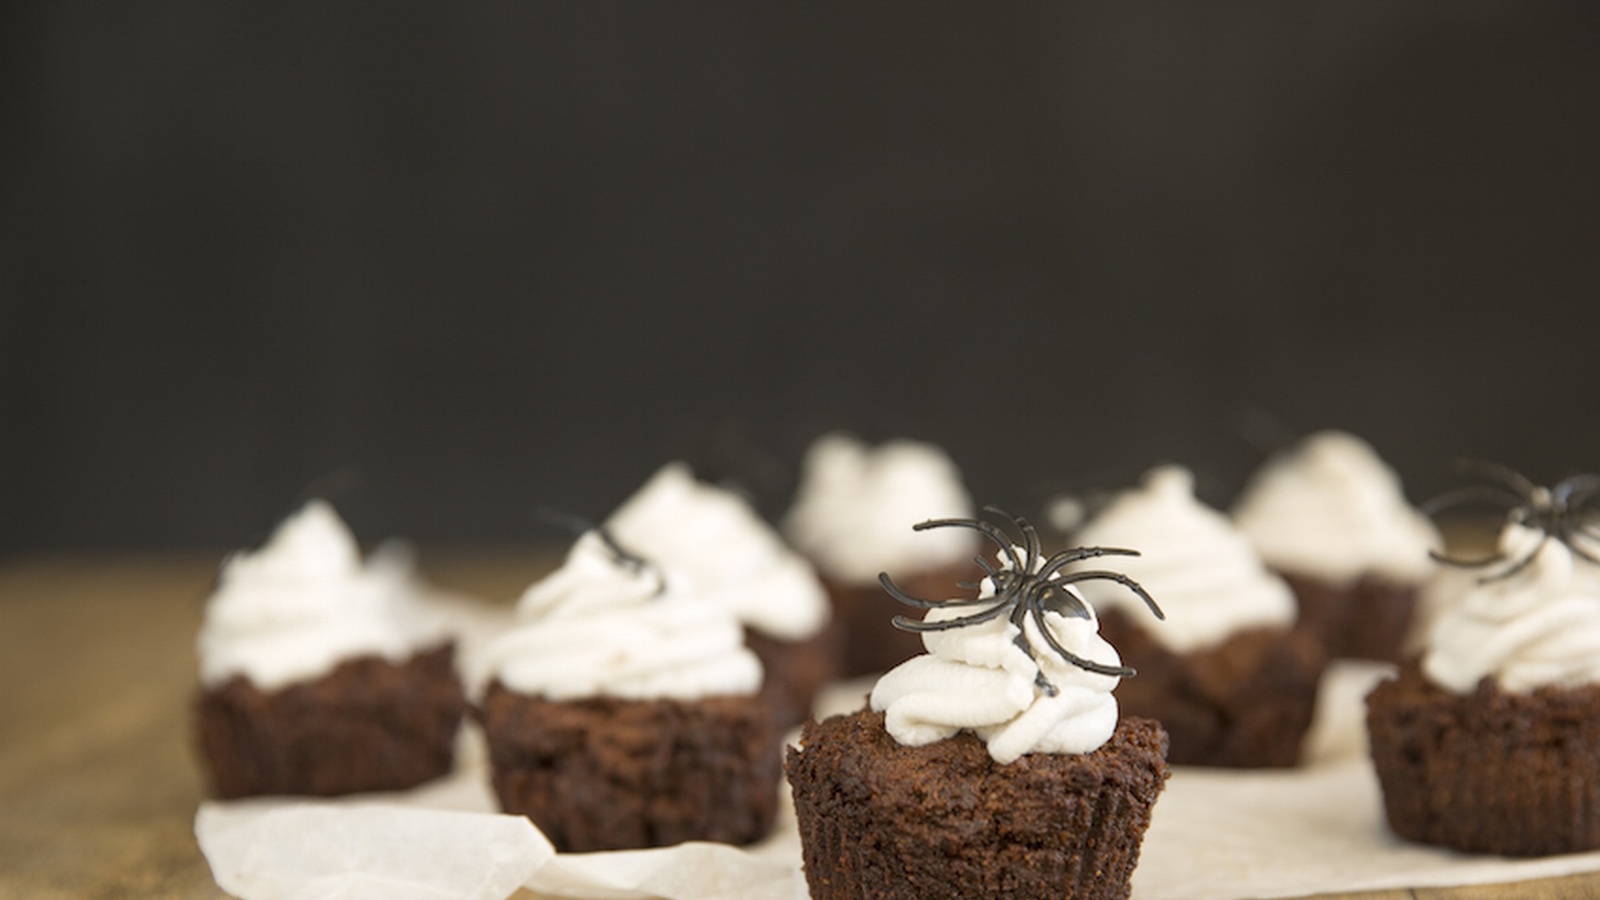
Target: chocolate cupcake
x,y
992,766
318,676
1491,743
1227,673
852,517
624,710
732,557
1331,518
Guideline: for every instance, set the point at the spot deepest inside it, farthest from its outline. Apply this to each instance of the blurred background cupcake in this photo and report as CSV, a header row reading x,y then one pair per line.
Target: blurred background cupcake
x,y
1330,517
853,517
1485,743
1226,672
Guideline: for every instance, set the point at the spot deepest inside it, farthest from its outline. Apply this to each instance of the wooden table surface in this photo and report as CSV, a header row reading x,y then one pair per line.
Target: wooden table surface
x,y
98,787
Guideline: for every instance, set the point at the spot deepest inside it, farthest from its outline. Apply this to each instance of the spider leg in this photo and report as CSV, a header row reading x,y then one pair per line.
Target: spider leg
x,y
1043,593
1039,671
1088,665
1581,491
1119,578
988,569
1494,495
1067,557
1505,475
1030,535
986,566
994,612
1519,565
1438,557
987,529
1577,489
624,557
1566,537
1043,684
1585,526
895,592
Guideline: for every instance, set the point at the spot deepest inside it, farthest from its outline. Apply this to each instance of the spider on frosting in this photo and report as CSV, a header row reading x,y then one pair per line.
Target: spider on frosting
x,y
1028,586
1564,512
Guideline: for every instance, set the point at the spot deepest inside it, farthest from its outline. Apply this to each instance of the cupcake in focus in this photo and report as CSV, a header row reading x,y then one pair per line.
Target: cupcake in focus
x,y
1228,675
318,676
852,517
995,764
624,710
720,545
1491,742
1332,518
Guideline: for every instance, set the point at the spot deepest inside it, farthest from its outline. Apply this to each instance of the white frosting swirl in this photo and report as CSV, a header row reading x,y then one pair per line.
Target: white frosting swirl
x,y
726,550
599,626
976,678
301,604
1331,509
1538,628
856,504
1204,573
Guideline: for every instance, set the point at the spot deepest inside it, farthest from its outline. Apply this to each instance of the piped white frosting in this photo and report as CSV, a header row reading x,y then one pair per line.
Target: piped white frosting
x,y
1537,628
1204,573
855,506
601,626
1330,508
303,603
723,547
976,678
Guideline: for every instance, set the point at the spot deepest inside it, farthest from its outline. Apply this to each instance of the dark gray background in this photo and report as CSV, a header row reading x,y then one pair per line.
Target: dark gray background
x,y
484,258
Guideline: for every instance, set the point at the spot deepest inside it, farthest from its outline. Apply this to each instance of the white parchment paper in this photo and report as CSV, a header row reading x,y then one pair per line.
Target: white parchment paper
x,y
1215,835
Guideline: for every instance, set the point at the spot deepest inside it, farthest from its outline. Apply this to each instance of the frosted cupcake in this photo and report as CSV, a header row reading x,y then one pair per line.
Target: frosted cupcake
x,y
852,517
1488,745
317,675
624,710
1227,673
733,558
993,765
1332,519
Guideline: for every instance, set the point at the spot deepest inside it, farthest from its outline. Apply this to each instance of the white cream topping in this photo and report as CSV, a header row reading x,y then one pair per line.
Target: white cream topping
x,y
853,512
725,549
976,678
1538,628
303,603
601,626
1204,573
1332,509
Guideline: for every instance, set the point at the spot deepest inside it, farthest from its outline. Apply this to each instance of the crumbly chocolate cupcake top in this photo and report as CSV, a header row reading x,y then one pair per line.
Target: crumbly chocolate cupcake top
x,y
609,623
1532,617
1330,508
1021,665
855,503
1211,582
713,539
295,608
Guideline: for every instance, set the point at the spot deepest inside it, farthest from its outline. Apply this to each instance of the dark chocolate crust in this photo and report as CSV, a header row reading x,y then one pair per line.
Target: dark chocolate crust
x,y
881,820
865,613
794,672
609,774
1245,703
369,725
1491,771
1367,619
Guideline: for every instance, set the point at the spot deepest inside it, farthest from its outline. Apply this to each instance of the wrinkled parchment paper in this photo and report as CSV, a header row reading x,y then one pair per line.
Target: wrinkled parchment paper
x,y
1215,835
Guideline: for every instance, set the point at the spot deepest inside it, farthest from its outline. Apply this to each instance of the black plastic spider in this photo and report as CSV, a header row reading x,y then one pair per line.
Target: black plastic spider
x,y
623,557
1563,512
1029,587
629,560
